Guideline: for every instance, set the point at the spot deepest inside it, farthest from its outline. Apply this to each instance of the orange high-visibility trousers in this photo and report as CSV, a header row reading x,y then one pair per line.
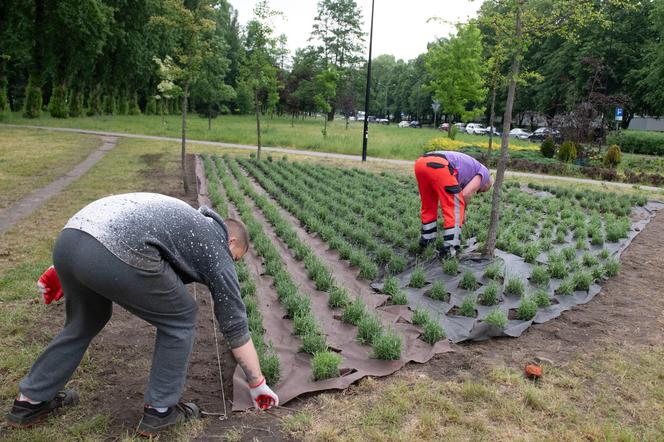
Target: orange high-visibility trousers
x,y
437,182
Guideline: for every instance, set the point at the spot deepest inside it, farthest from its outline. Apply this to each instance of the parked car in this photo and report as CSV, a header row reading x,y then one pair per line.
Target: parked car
x,y
460,126
382,121
404,123
474,128
520,134
415,124
543,132
444,127
488,129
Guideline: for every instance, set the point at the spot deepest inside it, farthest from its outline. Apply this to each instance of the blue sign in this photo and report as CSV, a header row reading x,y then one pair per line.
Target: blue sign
x,y
619,114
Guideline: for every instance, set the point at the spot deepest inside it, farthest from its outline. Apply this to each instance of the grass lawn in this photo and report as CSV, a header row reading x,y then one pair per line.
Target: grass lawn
x,y
25,252
610,395
31,159
384,141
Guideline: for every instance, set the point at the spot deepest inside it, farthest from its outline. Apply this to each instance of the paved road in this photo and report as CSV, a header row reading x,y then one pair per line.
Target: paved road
x,y
25,206
282,150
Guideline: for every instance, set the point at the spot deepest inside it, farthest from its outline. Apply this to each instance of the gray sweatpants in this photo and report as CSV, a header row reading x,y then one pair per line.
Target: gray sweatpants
x,y
92,279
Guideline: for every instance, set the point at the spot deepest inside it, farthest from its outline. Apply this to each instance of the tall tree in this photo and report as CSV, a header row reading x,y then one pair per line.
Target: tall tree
x,y
191,26
457,68
338,37
517,23
258,72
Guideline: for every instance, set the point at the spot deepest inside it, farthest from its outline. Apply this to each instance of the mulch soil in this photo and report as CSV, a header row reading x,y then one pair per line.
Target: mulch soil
x,y
626,312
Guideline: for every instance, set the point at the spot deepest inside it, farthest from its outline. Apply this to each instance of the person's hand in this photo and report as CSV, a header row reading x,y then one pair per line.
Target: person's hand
x,y
262,396
49,286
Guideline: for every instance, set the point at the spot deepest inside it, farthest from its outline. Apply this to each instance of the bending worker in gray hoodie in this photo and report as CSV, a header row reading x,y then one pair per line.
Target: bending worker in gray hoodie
x,y
139,250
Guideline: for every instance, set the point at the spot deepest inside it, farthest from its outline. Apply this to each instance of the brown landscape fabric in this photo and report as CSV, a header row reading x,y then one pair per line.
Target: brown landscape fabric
x,y
296,376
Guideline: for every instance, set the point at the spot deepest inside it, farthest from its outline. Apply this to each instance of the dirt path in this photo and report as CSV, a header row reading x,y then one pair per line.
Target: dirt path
x,y
339,156
25,206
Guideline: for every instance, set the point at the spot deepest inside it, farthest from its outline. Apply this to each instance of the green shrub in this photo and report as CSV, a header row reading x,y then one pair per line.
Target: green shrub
x,y
566,287
515,286
368,270
531,252
567,152
33,100
134,108
467,307
613,156
420,316
540,276
527,309
270,367
94,103
580,244
568,253
399,298
548,147
368,329
497,318
494,271
397,264
611,267
391,285
151,106
387,346
557,268
417,278
582,280
296,304
451,266
598,271
76,105
123,105
490,295
4,100
468,281
589,260
325,365
433,332
110,106
304,323
313,343
338,298
642,142
541,298
604,253
354,312
437,291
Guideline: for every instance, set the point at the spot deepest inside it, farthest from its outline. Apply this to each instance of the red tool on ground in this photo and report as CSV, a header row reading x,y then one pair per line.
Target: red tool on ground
x,y
533,371
49,286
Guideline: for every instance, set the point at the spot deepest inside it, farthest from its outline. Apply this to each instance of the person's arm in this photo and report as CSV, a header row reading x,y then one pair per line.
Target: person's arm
x,y
471,188
247,359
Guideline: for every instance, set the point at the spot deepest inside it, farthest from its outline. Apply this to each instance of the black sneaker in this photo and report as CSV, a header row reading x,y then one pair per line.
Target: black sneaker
x,y
154,422
25,414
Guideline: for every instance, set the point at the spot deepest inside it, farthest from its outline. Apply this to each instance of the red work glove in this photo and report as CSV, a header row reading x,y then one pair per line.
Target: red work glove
x,y
263,396
49,286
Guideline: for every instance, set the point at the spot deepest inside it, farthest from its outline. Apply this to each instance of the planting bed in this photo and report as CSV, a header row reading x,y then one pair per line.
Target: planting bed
x,y
323,236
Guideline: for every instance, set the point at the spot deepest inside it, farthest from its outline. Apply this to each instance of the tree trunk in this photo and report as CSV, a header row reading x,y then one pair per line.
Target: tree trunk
x,y
330,114
504,145
209,116
258,124
324,127
184,136
292,120
492,117
347,119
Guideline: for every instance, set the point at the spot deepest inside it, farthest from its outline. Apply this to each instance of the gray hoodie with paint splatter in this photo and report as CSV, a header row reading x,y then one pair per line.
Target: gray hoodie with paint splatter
x,y
149,231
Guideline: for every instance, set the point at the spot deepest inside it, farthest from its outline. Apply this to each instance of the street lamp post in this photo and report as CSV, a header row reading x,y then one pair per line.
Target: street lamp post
x,y
366,97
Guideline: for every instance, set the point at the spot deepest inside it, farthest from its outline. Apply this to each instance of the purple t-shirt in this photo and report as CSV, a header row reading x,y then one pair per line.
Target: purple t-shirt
x,y
467,167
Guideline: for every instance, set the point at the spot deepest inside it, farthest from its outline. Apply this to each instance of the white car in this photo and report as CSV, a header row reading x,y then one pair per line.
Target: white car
x,y
475,129
519,133
404,123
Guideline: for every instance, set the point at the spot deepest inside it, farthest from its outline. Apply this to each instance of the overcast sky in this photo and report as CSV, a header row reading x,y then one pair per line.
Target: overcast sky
x,y
400,27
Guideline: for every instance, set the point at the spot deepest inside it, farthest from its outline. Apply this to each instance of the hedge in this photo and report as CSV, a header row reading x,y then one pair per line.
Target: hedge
x,y
643,142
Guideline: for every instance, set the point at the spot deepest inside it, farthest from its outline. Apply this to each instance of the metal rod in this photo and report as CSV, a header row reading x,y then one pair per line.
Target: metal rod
x,y
366,97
